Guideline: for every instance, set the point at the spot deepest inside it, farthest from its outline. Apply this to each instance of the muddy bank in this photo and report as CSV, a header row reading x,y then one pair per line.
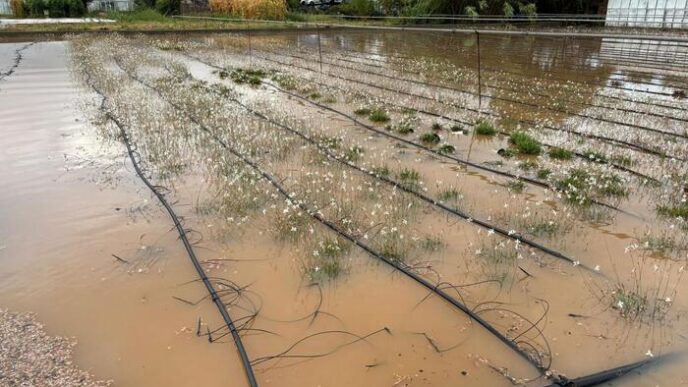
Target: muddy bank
x,y
31,357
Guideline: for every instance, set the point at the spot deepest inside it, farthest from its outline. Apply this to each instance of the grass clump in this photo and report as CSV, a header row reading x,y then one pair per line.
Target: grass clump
x,y
382,171
485,128
431,243
544,173
430,138
291,226
315,95
449,195
363,111
253,77
560,154
286,82
404,127
630,304
516,186
326,260
458,129
436,126
409,178
378,115
353,153
528,165
674,211
575,187
447,149
331,143
595,156
525,143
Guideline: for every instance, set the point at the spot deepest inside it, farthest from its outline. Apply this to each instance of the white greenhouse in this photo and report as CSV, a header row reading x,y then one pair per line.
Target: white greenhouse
x,y
647,13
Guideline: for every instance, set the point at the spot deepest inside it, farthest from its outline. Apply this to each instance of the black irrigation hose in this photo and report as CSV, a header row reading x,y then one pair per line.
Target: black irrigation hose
x,y
504,99
502,72
484,224
549,78
469,54
330,225
187,245
440,154
622,143
602,376
18,57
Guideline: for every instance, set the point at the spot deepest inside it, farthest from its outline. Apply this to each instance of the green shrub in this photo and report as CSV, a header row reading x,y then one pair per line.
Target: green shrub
x,y
525,143
378,115
75,8
35,8
680,211
358,7
560,154
430,139
57,8
168,7
447,149
485,128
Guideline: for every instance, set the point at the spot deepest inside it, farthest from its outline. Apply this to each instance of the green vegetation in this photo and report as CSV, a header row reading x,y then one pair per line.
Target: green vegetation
x,y
314,95
544,173
516,186
674,211
630,304
431,243
525,143
581,186
286,82
528,165
430,139
364,111
595,156
485,128
560,154
326,260
243,76
449,195
447,149
353,153
437,126
404,127
409,178
378,115
382,171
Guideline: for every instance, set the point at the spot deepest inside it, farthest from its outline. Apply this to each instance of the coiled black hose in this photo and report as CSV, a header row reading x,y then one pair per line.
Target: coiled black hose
x,y
217,300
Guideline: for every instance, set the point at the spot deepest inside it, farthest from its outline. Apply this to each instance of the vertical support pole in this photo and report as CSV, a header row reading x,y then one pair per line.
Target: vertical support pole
x,y
250,47
480,87
317,28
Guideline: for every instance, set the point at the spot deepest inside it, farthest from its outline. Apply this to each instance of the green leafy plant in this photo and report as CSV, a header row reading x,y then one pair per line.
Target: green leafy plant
x,y
485,128
525,143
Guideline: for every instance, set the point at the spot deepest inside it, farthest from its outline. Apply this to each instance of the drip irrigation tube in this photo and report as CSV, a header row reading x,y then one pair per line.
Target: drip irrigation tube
x,y
443,155
623,143
333,227
531,93
603,376
18,57
550,78
217,300
504,99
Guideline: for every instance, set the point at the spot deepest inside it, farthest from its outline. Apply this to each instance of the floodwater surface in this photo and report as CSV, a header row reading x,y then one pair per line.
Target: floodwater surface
x,y
87,247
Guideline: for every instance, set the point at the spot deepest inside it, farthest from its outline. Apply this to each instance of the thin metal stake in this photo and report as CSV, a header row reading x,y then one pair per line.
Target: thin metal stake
x,y
317,28
480,89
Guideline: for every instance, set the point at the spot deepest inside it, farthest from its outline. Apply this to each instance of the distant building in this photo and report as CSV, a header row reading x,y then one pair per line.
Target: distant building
x,y
111,5
647,13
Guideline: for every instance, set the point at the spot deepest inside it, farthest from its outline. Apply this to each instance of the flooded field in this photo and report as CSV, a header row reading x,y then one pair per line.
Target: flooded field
x,y
348,208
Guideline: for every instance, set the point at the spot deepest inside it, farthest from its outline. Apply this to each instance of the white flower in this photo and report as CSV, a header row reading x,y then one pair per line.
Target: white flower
x,y
649,353
490,232
597,267
620,304
576,263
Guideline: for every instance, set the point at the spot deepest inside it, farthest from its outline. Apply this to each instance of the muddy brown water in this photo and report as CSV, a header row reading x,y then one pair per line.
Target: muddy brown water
x,y
70,200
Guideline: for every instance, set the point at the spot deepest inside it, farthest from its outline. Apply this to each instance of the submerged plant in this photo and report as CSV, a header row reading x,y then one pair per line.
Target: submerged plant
x,y
326,258
516,186
447,149
430,139
364,111
560,154
485,128
525,143
378,115
410,178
